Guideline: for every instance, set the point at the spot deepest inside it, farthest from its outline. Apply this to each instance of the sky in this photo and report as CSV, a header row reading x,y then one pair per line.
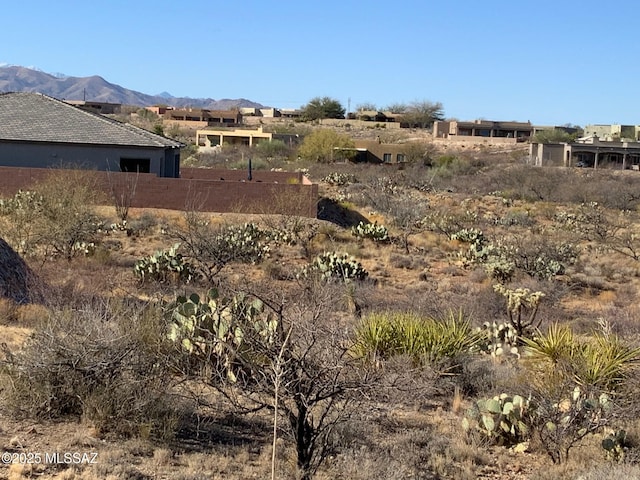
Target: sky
x,y
548,62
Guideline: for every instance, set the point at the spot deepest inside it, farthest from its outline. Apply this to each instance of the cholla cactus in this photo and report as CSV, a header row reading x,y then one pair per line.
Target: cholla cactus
x,y
522,307
373,231
340,266
162,265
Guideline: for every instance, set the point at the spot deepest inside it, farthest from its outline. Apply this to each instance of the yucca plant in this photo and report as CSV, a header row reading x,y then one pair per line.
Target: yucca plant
x,y
557,344
605,362
425,340
374,338
601,361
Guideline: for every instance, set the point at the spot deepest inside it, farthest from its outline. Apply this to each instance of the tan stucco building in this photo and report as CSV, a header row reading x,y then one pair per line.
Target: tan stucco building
x,y
587,152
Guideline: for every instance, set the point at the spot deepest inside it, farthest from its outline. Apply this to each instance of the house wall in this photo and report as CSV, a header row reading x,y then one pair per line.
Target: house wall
x,y
199,190
376,151
47,155
549,154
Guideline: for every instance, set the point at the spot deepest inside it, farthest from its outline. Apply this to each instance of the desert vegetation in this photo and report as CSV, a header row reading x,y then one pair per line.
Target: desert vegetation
x,y
469,316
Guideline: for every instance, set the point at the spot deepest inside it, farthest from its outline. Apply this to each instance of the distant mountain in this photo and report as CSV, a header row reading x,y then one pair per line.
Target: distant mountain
x,y
21,79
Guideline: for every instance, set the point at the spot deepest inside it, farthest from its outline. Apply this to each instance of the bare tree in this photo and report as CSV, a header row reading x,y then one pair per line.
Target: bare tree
x,y
123,188
291,356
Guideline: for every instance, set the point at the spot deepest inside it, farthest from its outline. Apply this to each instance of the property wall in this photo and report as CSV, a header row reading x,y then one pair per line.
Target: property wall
x,y
52,155
200,190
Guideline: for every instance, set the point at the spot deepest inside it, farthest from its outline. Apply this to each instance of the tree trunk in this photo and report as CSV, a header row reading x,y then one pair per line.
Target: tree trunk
x,y
303,433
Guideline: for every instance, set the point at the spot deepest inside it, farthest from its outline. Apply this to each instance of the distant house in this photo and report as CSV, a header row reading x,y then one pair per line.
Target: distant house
x,y
373,151
39,131
200,117
590,151
208,138
103,108
452,130
374,116
615,132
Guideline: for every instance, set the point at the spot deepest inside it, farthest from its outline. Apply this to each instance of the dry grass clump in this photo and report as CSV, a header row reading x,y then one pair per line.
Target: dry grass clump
x,y
101,364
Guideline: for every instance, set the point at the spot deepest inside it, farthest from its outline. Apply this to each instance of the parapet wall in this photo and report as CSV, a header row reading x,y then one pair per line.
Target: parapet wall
x,y
205,190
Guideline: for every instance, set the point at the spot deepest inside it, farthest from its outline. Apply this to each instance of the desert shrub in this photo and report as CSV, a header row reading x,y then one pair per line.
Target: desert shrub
x,y
273,149
562,421
243,164
211,248
447,223
142,225
102,363
56,218
68,219
19,215
516,218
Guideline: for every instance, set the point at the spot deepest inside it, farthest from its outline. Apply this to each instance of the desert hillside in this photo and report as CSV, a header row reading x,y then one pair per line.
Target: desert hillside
x,y
467,317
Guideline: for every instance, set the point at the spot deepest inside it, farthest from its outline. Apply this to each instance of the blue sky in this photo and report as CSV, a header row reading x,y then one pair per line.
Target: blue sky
x,y
549,62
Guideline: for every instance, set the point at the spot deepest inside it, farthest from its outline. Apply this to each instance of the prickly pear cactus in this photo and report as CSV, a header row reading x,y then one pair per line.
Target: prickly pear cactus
x,y
335,266
500,340
164,265
372,231
214,330
503,419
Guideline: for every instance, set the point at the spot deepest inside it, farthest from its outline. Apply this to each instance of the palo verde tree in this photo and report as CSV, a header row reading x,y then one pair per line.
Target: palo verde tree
x,y
326,146
322,107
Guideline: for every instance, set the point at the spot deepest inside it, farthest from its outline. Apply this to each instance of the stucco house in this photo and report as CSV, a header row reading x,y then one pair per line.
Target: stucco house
x,y
588,151
39,131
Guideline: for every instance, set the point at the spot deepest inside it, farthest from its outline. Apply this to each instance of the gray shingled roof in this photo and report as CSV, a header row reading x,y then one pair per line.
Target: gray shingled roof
x,y
34,117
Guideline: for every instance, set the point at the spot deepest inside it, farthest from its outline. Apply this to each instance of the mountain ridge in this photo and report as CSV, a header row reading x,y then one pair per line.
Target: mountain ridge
x,y
14,78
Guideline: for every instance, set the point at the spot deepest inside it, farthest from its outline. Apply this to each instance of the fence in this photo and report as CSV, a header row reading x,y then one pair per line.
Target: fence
x,y
205,190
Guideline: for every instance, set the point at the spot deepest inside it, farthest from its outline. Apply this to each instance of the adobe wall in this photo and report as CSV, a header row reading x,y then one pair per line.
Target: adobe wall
x,y
203,190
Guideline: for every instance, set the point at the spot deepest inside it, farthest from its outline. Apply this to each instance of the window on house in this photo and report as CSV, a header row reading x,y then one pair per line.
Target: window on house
x,y
400,158
386,158
140,165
